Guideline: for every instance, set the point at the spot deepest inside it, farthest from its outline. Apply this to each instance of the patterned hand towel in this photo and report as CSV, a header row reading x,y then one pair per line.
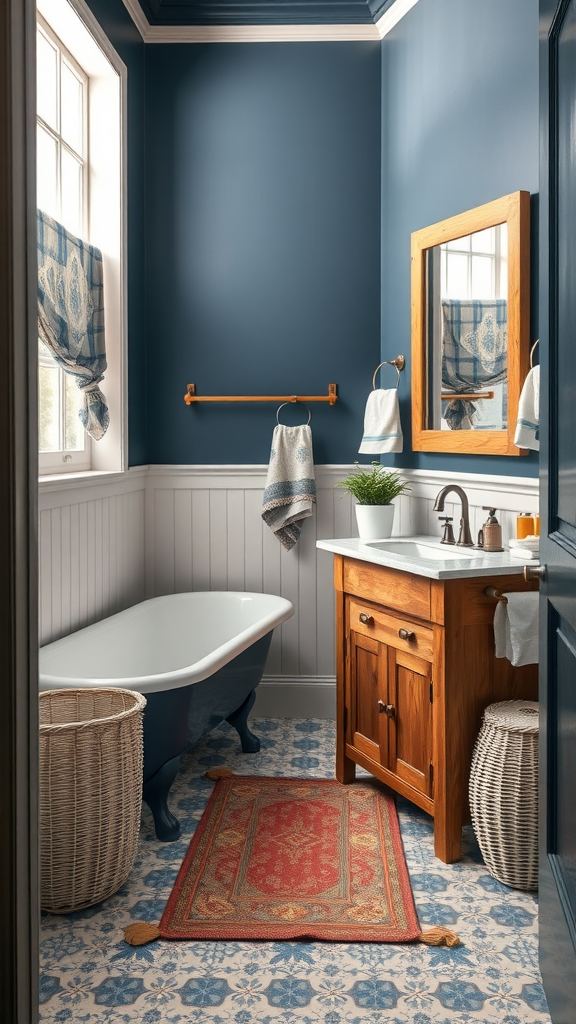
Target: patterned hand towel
x,y
290,491
529,412
382,428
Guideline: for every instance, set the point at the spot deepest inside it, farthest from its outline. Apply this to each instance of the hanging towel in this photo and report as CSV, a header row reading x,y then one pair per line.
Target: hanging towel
x,y
290,492
516,628
71,314
382,428
529,412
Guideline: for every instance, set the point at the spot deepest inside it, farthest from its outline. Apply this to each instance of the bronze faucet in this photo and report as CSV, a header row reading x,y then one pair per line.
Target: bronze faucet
x,y
464,537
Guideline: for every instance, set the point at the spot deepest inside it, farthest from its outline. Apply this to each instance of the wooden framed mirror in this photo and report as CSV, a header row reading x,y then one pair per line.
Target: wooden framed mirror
x,y
470,328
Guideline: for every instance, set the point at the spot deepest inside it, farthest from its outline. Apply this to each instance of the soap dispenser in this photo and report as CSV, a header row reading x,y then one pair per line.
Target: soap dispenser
x,y
490,536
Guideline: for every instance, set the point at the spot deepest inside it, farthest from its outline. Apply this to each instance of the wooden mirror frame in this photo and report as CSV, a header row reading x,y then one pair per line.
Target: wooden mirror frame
x,y
515,211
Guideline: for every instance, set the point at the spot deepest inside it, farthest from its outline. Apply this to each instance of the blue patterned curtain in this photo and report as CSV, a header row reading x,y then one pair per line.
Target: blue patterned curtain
x,y
71,314
474,352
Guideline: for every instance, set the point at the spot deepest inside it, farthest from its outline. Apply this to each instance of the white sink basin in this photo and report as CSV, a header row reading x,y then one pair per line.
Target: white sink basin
x,y
419,550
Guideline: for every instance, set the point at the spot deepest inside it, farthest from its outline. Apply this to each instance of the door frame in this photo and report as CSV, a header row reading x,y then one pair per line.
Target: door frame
x,y
556,944
19,890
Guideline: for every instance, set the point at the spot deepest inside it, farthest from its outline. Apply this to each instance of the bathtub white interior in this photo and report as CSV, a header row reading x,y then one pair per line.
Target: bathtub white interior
x,y
165,642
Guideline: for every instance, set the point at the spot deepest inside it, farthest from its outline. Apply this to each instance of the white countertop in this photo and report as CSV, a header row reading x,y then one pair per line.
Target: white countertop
x,y
458,563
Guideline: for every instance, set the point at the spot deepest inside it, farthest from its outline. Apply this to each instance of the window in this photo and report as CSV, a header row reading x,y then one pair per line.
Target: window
x,y
62,192
81,160
476,266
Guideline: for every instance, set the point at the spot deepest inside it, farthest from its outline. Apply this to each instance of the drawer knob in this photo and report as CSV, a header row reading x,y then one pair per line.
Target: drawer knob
x,y
390,709
406,634
368,620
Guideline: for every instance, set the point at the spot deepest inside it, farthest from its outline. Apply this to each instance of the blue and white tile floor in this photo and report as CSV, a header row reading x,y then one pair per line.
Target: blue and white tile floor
x,y
89,974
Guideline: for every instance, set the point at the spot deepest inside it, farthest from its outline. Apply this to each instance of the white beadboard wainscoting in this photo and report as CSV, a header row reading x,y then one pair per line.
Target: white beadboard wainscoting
x,y
91,549
107,543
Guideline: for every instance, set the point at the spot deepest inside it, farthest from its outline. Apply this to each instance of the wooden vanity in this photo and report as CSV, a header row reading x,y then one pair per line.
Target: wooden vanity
x,y
415,670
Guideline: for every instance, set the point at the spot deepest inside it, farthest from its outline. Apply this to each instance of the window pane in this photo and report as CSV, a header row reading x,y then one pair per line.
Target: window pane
x,y
48,425
71,193
47,173
73,429
459,244
456,276
71,108
47,79
484,241
482,279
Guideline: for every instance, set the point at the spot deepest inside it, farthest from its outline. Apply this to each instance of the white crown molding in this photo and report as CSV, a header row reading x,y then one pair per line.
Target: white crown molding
x,y
267,33
260,33
393,15
138,17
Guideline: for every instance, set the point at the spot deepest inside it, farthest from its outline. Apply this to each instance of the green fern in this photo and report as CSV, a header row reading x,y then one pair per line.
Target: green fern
x,y
376,486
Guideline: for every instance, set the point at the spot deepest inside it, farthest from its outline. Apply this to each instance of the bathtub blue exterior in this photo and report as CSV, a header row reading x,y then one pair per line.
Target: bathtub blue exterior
x,y
176,719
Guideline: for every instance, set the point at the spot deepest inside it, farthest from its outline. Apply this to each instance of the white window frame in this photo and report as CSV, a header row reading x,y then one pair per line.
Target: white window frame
x,y
74,25
498,258
62,458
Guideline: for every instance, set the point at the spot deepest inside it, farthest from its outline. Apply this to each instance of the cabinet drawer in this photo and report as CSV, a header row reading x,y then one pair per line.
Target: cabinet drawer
x,y
388,587
369,620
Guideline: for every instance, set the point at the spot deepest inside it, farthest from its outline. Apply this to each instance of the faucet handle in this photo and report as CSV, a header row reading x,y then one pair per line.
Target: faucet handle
x,y
448,535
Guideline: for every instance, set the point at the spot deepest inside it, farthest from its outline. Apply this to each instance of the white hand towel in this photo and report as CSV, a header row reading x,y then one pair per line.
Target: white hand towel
x,y
290,492
382,428
516,628
529,412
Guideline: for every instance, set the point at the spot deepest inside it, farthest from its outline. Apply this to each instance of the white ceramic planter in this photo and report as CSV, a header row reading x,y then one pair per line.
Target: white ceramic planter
x,y
374,521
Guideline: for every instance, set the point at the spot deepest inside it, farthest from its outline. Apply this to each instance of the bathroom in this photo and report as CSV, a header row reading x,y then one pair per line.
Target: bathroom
x,y
270,189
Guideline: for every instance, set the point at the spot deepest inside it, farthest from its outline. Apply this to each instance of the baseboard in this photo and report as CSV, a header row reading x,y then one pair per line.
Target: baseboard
x,y
296,697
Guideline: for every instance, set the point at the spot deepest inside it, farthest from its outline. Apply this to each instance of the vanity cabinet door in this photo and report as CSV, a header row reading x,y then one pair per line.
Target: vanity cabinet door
x,y
409,753
367,686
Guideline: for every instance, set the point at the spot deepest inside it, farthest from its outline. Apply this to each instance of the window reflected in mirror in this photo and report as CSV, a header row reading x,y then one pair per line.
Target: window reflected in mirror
x,y
467,286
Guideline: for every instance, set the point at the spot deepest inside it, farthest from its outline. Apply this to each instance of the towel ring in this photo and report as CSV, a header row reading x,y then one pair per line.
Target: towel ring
x,y
532,350
399,363
291,402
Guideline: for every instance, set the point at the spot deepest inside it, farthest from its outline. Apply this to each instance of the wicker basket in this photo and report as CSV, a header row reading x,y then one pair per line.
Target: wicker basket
x,y
90,793
504,792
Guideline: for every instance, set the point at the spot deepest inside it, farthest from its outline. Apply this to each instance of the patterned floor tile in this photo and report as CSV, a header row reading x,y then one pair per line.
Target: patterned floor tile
x,y
89,974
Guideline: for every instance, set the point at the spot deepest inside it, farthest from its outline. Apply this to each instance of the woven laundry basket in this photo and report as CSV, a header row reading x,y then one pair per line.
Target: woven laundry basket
x,y
91,760
504,792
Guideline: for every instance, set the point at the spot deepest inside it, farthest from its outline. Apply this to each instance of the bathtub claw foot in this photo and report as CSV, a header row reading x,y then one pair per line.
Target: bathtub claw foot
x,y
239,719
155,793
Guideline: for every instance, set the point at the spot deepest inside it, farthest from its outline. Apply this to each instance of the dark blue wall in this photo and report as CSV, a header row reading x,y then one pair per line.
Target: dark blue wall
x,y
122,33
460,127
262,243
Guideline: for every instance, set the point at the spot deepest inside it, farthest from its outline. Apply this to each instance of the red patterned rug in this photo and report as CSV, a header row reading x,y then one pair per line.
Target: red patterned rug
x,y
294,859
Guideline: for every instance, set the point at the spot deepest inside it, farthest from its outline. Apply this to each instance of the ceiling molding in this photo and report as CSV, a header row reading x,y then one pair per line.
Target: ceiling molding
x,y
297,33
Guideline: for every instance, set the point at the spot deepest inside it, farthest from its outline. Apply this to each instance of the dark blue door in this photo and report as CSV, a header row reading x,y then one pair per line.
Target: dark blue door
x,y
558,508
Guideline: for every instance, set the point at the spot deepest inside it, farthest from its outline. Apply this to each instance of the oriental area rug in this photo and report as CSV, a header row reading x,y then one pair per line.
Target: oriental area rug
x,y
278,858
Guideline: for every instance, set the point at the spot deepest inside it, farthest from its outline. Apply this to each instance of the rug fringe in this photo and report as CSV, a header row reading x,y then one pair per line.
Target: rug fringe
x,y
218,773
140,932
439,937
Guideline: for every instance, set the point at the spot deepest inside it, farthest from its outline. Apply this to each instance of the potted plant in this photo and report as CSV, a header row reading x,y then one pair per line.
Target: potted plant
x,y
374,488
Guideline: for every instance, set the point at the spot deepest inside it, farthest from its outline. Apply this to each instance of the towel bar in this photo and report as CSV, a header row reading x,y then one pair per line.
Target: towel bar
x,y
492,592
191,396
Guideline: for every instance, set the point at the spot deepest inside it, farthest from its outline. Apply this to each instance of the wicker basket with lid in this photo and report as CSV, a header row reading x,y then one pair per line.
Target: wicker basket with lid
x,y
91,760
504,792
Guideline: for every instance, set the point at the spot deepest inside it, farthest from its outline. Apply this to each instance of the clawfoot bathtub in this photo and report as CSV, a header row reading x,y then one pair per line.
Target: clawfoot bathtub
x,y
198,659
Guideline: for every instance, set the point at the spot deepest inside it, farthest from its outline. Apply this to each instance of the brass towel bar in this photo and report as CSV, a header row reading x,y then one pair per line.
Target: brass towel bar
x,y
191,396
492,592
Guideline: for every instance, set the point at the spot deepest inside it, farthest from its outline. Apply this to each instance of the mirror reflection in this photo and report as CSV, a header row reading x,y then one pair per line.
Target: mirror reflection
x,y
467,331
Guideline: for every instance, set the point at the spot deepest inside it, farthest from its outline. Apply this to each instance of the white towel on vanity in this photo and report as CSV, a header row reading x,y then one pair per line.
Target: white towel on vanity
x,y
516,628
529,412
382,428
